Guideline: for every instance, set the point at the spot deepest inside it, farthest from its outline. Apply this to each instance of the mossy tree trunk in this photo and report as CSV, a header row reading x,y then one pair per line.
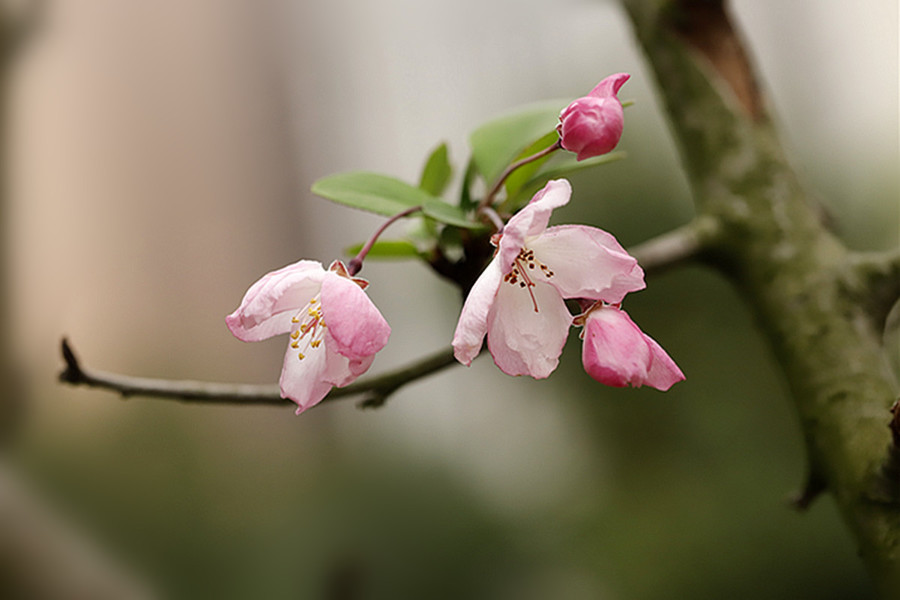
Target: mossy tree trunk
x,y
821,306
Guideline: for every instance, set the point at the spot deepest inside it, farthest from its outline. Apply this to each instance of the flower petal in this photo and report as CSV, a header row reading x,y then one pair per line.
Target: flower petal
x,y
614,351
358,329
610,86
587,262
525,341
617,353
269,304
304,380
472,325
664,373
532,220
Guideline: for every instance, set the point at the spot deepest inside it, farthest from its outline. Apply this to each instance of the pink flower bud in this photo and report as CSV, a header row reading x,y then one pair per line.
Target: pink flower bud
x,y
617,353
592,125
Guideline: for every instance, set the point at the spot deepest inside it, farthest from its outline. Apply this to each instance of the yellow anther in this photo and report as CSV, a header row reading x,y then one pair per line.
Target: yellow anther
x,y
295,334
312,311
315,343
295,344
295,320
300,356
313,301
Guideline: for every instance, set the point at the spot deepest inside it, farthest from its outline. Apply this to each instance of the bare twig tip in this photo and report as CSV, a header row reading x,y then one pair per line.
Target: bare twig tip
x,y
802,500
72,372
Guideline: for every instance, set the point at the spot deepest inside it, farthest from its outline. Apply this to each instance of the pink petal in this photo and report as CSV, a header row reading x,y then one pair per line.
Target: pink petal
x,y
532,220
269,304
472,325
524,341
591,126
587,262
664,373
617,353
610,86
358,329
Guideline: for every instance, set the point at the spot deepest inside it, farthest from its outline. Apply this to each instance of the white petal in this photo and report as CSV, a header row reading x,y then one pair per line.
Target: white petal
x,y
587,262
304,380
472,325
532,220
525,341
269,304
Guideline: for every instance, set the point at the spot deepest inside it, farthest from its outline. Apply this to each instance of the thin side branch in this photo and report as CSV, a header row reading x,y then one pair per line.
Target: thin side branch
x,y
890,471
875,278
676,247
377,388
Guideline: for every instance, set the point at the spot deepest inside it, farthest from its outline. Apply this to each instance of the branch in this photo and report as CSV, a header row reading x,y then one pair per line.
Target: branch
x,y
378,388
874,279
678,246
791,270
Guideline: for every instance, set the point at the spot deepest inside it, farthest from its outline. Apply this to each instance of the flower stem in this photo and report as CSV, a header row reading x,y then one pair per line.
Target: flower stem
x,y
355,265
488,199
493,217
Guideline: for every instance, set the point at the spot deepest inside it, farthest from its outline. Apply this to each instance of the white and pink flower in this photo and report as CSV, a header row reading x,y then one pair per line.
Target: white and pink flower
x,y
519,300
335,329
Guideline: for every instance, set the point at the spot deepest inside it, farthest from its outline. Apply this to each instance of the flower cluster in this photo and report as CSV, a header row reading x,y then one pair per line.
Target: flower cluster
x,y
518,302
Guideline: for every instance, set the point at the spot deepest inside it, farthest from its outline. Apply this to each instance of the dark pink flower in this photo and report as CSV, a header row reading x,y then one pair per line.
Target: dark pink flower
x,y
616,352
335,329
592,125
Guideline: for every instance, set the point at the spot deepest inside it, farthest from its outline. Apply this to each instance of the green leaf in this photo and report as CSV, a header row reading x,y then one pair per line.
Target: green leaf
x,y
373,192
446,213
565,167
523,174
496,143
437,172
465,196
387,249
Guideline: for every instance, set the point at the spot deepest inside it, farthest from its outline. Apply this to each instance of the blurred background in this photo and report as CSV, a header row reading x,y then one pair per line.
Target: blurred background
x,y
161,156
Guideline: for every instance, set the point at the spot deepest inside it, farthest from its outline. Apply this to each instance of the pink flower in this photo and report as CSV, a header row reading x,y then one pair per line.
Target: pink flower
x,y
518,301
335,330
616,352
592,125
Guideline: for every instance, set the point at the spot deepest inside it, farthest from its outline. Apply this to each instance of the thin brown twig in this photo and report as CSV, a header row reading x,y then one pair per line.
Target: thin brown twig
x,y
376,389
665,251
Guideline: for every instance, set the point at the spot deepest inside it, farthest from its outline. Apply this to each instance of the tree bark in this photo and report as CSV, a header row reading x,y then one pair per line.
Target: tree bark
x,y
803,285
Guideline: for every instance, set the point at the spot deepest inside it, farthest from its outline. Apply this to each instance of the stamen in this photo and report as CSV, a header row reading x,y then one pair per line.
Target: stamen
x,y
518,274
312,327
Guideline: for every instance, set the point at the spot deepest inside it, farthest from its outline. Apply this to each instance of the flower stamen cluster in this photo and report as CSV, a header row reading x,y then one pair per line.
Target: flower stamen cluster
x,y
524,262
312,324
